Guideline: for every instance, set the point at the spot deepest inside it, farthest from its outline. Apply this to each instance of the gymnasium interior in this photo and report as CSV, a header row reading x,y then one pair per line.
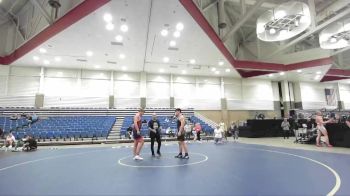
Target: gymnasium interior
x,y
262,85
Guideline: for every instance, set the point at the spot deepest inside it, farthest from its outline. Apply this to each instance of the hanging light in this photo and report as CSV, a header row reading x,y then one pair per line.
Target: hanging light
x,y
283,22
336,35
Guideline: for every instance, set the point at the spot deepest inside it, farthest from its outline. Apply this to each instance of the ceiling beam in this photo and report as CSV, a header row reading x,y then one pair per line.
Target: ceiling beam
x,y
340,51
14,19
310,32
209,6
332,9
243,7
42,11
243,20
312,13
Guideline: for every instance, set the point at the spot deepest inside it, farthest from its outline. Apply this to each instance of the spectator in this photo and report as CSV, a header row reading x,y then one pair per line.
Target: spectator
x,y
10,140
169,132
234,131
198,129
14,117
223,128
1,132
154,133
285,127
129,131
188,131
29,144
218,135
34,118
309,127
167,119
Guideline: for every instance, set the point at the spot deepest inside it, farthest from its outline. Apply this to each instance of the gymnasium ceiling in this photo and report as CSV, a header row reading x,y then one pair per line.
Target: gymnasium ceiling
x,y
144,48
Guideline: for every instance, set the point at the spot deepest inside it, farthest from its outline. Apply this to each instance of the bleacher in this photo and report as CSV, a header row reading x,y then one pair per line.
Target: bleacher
x,y
206,128
72,127
7,124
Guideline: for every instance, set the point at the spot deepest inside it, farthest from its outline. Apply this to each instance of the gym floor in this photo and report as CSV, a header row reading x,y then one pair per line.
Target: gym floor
x,y
233,168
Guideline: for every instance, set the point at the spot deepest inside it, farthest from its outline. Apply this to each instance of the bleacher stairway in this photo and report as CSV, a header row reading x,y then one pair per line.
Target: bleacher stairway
x,y
115,132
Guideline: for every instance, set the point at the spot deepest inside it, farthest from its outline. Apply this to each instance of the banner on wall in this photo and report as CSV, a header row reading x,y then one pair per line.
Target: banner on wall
x,y
331,98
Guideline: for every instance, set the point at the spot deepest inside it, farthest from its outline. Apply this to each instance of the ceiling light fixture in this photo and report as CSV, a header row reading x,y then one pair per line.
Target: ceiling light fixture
x,y
333,40
213,69
179,26
166,59
299,70
46,62
124,68
282,73
109,26
270,75
172,43
283,32
89,53
192,61
164,32
283,22
177,34
107,17
227,70
97,66
335,36
124,28
221,63
184,72
42,50
57,59
36,58
280,14
161,70
122,56
318,73
217,72
119,38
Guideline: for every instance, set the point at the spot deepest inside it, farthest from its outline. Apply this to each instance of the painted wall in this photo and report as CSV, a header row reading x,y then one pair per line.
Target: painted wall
x,y
248,94
92,88
313,95
216,115
344,93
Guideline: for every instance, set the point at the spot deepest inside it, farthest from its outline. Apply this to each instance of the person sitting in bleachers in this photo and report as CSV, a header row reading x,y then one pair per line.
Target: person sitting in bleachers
x,y
1,132
14,117
166,120
34,118
218,135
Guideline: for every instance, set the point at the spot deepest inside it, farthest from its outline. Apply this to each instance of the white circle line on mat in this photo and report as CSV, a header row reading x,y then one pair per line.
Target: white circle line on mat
x,y
336,175
48,158
163,166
